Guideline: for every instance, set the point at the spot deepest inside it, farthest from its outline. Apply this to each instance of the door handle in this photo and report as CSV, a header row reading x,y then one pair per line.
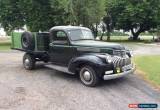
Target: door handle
x,y
51,44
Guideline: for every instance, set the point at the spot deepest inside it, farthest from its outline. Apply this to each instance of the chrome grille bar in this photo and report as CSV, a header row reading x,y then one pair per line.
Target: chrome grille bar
x,y
120,62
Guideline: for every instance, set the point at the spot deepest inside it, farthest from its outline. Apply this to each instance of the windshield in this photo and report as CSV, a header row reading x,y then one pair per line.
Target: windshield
x,y
80,34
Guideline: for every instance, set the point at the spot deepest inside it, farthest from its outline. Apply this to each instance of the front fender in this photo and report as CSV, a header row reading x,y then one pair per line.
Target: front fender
x,y
91,60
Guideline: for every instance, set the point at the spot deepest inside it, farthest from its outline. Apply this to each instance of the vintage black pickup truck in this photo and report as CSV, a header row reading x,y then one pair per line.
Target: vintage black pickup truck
x,y
73,50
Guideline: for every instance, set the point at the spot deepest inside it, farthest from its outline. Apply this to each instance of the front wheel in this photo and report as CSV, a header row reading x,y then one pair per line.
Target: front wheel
x,y
28,61
88,76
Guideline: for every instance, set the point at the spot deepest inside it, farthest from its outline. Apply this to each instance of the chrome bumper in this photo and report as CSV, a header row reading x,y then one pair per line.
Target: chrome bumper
x,y
118,75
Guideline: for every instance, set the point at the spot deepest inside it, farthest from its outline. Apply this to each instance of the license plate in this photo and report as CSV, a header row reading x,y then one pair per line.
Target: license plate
x,y
127,67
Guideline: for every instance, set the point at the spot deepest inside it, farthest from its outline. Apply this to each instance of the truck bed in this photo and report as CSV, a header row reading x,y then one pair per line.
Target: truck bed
x,y
41,42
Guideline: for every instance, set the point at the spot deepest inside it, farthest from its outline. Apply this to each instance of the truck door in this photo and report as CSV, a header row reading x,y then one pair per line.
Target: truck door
x,y
60,51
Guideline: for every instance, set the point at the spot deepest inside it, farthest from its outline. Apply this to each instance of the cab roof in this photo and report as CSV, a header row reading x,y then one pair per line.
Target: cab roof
x,y
68,28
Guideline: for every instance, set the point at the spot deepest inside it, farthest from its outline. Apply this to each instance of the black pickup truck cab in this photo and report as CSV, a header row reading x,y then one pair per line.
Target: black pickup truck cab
x,y
74,50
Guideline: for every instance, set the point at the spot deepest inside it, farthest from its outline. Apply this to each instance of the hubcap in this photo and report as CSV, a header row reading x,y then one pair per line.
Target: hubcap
x,y
24,41
26,63
87,75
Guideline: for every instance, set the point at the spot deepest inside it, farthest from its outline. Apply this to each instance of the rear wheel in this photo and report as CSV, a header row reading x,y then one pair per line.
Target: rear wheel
x,y
28,61
88,76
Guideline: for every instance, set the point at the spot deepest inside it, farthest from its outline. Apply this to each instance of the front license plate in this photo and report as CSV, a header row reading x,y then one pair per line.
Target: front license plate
x,y
127,67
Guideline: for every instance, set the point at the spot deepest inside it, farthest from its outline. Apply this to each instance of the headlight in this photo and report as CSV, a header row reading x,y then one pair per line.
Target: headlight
x,y
109,59
131,53
106,57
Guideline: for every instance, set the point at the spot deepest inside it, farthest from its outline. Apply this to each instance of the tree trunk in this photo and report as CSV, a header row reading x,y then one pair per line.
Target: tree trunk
x,y
108,32
101,38
94,30
135,37
135,34
108,36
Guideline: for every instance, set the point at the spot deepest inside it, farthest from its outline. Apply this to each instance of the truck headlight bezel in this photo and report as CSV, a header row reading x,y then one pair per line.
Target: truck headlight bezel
x,y
131,53
108,58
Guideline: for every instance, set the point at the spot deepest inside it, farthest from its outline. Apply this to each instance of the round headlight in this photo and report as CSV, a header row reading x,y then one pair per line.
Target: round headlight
x,y
109,59
131,53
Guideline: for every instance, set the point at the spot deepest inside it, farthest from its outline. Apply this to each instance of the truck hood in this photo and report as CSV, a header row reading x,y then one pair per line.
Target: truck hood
x,y
99,44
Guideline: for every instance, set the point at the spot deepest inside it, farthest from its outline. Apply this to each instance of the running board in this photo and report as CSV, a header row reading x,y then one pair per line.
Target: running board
x,y
58,68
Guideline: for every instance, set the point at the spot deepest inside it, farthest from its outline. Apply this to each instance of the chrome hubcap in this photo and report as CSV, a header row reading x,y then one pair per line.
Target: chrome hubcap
x,y
87,75
26,63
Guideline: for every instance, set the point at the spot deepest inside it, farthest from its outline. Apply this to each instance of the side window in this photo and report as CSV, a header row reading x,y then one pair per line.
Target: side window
x,y
61,34
60,38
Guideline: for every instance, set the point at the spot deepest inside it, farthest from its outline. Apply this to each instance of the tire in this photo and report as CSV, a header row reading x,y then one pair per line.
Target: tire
x,y
28,61
27,41
46,61
88,76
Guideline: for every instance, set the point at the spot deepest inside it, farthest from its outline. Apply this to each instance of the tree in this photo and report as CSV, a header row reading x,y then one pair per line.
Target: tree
x,y
11,16
134,15
40,15
86,12
103,27
108,21
36,14
96,13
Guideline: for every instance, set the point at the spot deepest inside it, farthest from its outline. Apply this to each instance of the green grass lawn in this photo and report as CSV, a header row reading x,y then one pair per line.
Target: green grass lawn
x,y
5,45
126,37
150,65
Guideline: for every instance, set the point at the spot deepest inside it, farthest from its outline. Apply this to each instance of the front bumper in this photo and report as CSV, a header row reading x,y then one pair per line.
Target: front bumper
x,y
118,75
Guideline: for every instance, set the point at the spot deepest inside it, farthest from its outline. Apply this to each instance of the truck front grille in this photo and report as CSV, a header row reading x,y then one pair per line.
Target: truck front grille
x,y
121,61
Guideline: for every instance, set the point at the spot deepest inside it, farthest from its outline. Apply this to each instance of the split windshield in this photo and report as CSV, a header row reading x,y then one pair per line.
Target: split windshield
x,y
80,34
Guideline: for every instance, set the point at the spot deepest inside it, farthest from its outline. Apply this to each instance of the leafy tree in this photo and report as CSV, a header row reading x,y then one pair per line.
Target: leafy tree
x,y
86,12
97,11
108,21
42,15
11,16
134,15
36,14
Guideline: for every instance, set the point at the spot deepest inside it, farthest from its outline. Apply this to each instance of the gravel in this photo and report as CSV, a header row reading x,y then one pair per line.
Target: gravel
x,y
46,89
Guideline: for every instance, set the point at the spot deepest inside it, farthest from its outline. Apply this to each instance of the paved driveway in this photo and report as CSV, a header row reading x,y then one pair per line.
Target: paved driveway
x,y
46,89
144,49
